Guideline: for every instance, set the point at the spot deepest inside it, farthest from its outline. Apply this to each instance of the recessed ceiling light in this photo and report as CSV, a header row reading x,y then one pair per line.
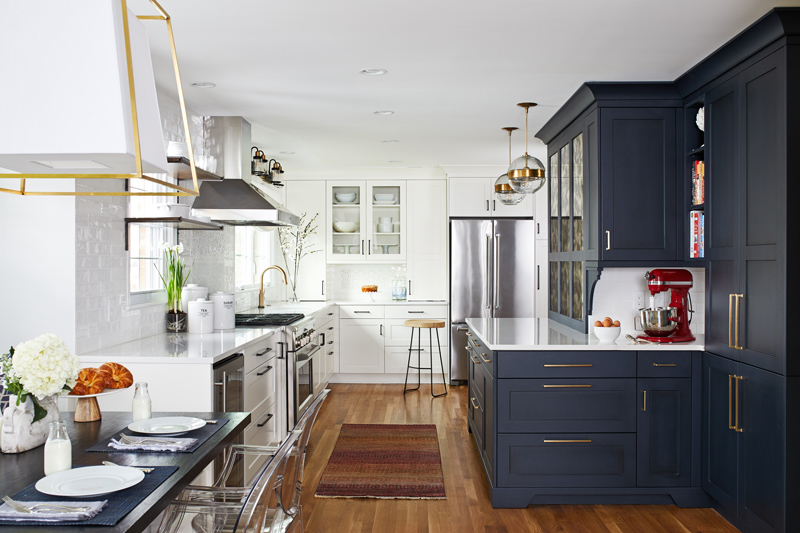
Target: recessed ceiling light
x,y
390,141
384,112
204,85
373,71
287,153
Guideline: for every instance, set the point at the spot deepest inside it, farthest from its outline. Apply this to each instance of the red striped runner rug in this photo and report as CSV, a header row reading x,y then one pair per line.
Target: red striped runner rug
x,y
389,461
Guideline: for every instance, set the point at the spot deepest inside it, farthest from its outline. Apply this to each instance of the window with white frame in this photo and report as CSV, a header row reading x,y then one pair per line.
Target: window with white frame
x,y
255,250
144,245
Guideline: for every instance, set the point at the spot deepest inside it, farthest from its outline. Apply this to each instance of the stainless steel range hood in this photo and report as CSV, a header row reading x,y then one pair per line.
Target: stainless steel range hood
x,y
240,199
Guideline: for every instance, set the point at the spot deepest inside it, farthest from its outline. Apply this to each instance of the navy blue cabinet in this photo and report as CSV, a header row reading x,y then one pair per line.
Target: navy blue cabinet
x,y
587,426
744,443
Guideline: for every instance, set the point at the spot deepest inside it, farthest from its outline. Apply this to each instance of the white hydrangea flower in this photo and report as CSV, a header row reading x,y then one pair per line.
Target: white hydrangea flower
x,y
44,365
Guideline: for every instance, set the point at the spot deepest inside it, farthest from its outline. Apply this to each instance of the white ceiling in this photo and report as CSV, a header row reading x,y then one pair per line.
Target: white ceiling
x,y
457,69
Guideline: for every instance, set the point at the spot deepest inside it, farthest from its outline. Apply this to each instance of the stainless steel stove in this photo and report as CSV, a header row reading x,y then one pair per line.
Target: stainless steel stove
x,y
271,319
299,347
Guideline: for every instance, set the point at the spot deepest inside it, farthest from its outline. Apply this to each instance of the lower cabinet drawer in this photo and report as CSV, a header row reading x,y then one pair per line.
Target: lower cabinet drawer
x,y
566,460
476,416
261,432
260,385
566,405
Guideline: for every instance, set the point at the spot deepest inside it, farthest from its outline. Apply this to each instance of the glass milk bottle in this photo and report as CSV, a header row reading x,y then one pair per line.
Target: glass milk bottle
x,y
57,449
141,403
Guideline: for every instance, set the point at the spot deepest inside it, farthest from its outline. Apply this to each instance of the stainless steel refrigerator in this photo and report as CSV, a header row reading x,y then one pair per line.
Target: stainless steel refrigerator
x,y
492,275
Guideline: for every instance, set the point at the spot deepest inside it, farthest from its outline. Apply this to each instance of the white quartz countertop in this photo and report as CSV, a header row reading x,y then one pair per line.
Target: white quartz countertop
x,y
210,348
542,334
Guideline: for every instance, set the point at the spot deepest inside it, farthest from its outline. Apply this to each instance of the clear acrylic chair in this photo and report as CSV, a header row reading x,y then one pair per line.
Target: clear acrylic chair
x,y
218,508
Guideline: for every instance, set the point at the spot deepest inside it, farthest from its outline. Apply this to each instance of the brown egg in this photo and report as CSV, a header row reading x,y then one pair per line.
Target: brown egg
x,y
607,318
598,324
616,323
607,322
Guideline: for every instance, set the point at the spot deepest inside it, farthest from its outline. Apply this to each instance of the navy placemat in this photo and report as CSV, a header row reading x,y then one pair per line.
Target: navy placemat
x,y
119,503
202,435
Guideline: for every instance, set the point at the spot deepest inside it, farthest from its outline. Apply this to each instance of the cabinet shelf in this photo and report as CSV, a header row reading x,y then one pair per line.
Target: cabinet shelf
x,y
180,223
698,150
180,168
698,207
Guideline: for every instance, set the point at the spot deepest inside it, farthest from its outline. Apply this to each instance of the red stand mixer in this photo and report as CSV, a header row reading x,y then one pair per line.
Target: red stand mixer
x,y
668,324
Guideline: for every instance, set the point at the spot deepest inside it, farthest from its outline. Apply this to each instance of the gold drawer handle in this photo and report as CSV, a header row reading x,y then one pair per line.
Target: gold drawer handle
x,y
567,366
474,404
475,359
664,364
469,334
483,358
566,386
566,440
730,408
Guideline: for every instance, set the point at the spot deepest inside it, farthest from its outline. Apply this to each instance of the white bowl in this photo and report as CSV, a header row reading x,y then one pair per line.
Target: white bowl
x,y
172,210
346,197
177,149
607,335
384,197
345,227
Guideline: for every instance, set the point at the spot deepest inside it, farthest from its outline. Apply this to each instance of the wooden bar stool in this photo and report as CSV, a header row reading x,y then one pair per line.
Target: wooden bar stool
x,y
419,325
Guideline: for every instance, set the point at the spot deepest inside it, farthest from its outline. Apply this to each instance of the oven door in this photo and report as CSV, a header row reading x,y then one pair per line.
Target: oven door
x,y
303,379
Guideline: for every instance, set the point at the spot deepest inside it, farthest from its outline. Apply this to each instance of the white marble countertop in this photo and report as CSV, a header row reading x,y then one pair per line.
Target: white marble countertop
x,y
543,334
210,348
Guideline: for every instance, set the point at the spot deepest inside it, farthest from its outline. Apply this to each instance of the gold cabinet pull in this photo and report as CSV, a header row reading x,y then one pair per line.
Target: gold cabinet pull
x,y
608,240
483,358
730,321
730,398
566,440
644,403
736,337
736,418
567,366
664,364
474,403
474,358
469,334
567,386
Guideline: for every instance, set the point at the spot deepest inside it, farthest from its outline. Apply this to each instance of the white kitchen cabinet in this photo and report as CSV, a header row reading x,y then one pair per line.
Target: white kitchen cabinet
x,y
474,197
309,197
427,240
542,283
396,360
326,322
379,232
361,345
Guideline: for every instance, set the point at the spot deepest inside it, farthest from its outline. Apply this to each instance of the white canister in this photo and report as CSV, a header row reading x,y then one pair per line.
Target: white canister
x,y
201,316
191,292
224,312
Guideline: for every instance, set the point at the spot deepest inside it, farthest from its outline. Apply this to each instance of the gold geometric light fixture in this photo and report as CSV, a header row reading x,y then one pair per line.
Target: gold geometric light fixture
x,y
503,190
71,106
526,173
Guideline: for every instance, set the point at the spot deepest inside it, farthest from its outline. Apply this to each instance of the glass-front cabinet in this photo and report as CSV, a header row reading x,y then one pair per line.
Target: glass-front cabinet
x,y
367,221
567,246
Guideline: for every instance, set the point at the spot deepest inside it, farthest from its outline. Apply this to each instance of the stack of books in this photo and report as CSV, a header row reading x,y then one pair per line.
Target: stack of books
x,y
697,223
699,183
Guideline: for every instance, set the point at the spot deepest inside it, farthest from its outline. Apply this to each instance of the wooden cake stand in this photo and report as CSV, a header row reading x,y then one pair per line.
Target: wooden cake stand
x,y
88,409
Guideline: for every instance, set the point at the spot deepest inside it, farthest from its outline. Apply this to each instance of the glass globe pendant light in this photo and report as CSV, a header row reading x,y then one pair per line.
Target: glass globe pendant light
x,y
526,173
503,190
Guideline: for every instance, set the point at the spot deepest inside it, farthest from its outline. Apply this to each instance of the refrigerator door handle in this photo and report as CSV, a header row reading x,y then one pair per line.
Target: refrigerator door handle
x,y
488,270
496,273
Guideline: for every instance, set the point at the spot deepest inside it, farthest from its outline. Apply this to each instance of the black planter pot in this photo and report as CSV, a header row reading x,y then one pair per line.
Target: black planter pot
x,y
176,321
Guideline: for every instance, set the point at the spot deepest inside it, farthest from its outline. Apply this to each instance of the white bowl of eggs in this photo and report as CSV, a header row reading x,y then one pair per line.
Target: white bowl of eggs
x,y
607,330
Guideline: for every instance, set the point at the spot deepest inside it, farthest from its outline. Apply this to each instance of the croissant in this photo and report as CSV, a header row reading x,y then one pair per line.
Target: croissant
x,y
116,376
89,381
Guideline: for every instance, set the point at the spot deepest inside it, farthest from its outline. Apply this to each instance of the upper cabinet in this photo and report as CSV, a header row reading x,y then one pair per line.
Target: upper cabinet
x,y
612,188
308,198
427,240
366,221
474,197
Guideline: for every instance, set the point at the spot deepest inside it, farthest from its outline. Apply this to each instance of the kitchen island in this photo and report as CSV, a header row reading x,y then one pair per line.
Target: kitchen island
x,y
559,417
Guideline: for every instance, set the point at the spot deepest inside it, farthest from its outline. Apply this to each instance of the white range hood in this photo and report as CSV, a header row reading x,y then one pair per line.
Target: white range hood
x,y
65,106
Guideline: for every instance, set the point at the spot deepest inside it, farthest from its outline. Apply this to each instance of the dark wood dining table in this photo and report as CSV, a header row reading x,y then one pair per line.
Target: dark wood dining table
x,y
17,471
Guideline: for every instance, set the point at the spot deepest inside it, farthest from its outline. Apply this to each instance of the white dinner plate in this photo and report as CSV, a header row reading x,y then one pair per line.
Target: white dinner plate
x,y
89,481
384,202
167,425
105,392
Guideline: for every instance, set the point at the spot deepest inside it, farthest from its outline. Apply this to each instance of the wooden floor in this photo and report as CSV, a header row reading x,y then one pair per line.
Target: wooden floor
x,y
467,506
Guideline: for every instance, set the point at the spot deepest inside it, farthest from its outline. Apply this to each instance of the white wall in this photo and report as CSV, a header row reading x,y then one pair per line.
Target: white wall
x,y
615,297
37,268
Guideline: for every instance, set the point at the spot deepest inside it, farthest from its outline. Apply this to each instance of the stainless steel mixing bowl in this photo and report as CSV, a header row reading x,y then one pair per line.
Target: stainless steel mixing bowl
x,y
657,323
